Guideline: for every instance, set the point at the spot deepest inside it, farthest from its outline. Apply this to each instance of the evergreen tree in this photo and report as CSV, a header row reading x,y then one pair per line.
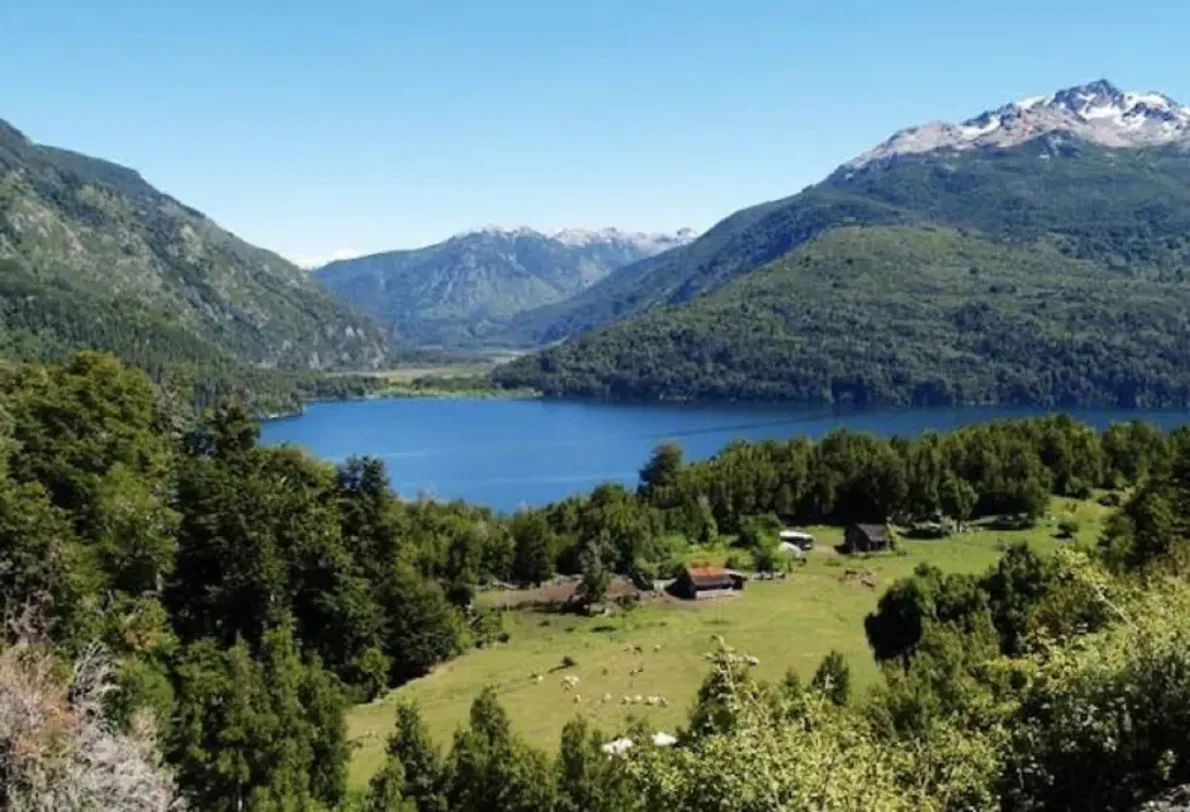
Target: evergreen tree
x,y
411,746
490,769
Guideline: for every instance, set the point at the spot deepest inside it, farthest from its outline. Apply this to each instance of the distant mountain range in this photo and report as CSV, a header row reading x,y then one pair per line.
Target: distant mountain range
x,y
92,256
1036,253
463,290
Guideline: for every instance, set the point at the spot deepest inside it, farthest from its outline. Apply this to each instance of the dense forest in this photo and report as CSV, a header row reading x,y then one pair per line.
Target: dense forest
x,y
898,315
936,268
188,613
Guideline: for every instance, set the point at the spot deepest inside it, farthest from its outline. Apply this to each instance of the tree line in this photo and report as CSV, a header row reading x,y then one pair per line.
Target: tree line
x,y
1008,468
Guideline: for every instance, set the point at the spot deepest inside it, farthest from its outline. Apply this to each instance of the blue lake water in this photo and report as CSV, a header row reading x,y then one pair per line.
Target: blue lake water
x,y
504,453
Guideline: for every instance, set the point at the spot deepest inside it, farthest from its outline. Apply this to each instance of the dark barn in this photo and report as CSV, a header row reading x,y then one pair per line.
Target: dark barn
x,y
866,538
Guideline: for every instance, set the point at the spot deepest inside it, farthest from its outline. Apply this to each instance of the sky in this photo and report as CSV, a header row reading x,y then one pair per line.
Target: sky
x,y
317,129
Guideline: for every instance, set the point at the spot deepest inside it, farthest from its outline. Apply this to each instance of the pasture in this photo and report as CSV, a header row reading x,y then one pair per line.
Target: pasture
x,y
658,648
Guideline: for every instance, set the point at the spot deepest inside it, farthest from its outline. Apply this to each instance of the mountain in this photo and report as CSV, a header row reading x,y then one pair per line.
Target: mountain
x,y
464,289
898,278
1098,113
94,256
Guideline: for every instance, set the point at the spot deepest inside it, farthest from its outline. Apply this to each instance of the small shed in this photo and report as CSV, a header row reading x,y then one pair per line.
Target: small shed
x,y
707,582
866,538
797,538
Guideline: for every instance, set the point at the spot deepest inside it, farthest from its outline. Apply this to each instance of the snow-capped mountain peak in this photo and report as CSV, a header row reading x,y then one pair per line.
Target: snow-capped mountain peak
x,y
653,243
1098,112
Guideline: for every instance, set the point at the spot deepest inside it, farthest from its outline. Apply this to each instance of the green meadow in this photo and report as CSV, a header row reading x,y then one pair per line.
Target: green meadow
x,y
786,624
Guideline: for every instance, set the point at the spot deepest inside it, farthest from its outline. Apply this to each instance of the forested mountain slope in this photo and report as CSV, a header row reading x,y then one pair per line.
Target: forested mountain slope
x,y
93,256
1048,199
897,314
461,290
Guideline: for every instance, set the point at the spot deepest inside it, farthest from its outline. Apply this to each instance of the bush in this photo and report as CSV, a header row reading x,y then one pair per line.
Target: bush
x,y
738,561
1068,527
569,662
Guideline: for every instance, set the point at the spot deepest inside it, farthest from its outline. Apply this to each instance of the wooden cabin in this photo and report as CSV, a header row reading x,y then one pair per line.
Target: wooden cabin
x,y
866,538
707,582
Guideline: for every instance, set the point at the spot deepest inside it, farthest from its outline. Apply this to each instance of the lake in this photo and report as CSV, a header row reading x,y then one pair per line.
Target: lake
x,y
504,453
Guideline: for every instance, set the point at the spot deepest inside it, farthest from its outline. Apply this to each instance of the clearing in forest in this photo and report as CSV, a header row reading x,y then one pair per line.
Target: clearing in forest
x,y
659,648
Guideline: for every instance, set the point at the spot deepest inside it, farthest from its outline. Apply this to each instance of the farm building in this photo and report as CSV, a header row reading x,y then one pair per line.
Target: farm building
x,y
797,538
866,538
707,582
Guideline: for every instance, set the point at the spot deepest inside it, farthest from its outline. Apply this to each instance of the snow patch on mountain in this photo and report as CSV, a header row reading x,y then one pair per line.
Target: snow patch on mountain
x,y
1097,112
652,243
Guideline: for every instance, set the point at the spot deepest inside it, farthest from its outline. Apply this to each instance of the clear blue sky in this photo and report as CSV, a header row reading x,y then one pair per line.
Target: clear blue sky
x,y
309,127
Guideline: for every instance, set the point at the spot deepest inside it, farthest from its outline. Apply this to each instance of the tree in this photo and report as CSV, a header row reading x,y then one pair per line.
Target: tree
x,y
534,539
411,746
134,531
957,499
386,789
491,769
257,733
596,577
41,563
422,628
589,781
833,678
1020,580
659,476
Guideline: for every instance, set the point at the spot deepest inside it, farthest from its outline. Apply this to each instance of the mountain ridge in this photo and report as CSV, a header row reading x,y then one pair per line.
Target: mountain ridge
x,y
462,289
1097,112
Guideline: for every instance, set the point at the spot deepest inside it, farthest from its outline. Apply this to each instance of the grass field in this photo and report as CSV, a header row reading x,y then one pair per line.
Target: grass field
x,y
787,624
475,367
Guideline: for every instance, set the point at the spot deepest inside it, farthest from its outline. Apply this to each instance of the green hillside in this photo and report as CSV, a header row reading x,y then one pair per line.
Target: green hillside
x,y
92,256
1083,247
899,315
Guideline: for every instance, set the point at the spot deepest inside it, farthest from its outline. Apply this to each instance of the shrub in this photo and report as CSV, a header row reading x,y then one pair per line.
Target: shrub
x,y
1068,527
738,561
569,662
